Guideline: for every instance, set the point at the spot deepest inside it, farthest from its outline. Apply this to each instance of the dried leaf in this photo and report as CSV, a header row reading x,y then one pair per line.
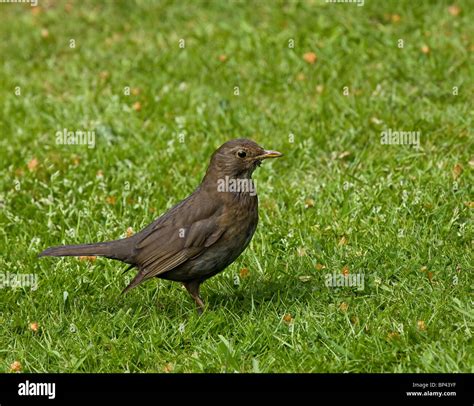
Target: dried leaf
x,y
244,272
99,174
310,57
457,170
308,203
343,307
287,318
90,258
304,278
130,232
104,75
342,241
137,106
169,367
344,155
135,91
454,10
222,58
395,18
34,326
425,49
354,320
15,366
301,251
320,267
111,200
44,33
393,335
345,270
36,10
319,89
421,325
32,165
300,77
469,204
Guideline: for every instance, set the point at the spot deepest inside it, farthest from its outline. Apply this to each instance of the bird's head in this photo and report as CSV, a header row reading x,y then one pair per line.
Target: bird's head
x,y
238,158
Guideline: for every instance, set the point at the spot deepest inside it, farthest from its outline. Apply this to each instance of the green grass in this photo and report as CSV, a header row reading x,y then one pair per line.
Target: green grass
x,y
399,208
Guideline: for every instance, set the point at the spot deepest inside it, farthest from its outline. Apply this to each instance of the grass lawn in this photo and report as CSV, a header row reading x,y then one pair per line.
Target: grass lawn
x,y
161,85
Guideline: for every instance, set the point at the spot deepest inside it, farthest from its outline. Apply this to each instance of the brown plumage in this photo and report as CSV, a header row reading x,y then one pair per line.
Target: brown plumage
x,y
201,235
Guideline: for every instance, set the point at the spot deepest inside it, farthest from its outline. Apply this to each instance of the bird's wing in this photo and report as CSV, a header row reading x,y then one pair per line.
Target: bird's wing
x,y
183,234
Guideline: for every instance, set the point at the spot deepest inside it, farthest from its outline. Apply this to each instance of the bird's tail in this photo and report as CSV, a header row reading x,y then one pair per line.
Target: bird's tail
x,y
113,249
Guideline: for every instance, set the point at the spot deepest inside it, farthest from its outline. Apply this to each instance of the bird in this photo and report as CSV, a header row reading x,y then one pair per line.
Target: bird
x,y
201,235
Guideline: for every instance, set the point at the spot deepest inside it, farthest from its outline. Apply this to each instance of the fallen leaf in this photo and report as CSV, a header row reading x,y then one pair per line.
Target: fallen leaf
x,y
308,203
395,18
222,58
32,165
343,307
287,318
111,200
168,368
342,241
344,154
354,320
44,33
320,267
310,57
99,174
425,49
345,270
304,278
457,170
469,204
137,106
36,10
90,258
34,326
104,75
300,77
130,231
430,275
424,269
15,366
244,272
319,89
393,335
471,162
76,160
454,10
19,172
301,251
421,325
135,91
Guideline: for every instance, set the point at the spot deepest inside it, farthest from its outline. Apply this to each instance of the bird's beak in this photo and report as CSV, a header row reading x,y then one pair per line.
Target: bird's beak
x,y
270,154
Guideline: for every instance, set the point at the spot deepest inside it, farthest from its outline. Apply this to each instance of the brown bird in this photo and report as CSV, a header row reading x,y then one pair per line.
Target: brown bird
x,y
201,235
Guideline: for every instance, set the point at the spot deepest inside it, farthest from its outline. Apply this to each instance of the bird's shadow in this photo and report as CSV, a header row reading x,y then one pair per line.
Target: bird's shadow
x,y
281,292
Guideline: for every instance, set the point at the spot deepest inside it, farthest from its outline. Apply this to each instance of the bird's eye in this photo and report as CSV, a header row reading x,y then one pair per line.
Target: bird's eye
x,y
242,154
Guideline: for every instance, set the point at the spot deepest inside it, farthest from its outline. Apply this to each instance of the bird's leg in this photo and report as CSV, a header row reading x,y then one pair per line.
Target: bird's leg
x,y
193,289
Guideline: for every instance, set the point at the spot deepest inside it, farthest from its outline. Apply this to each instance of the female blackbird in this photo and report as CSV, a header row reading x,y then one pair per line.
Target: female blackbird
x,y
201,235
